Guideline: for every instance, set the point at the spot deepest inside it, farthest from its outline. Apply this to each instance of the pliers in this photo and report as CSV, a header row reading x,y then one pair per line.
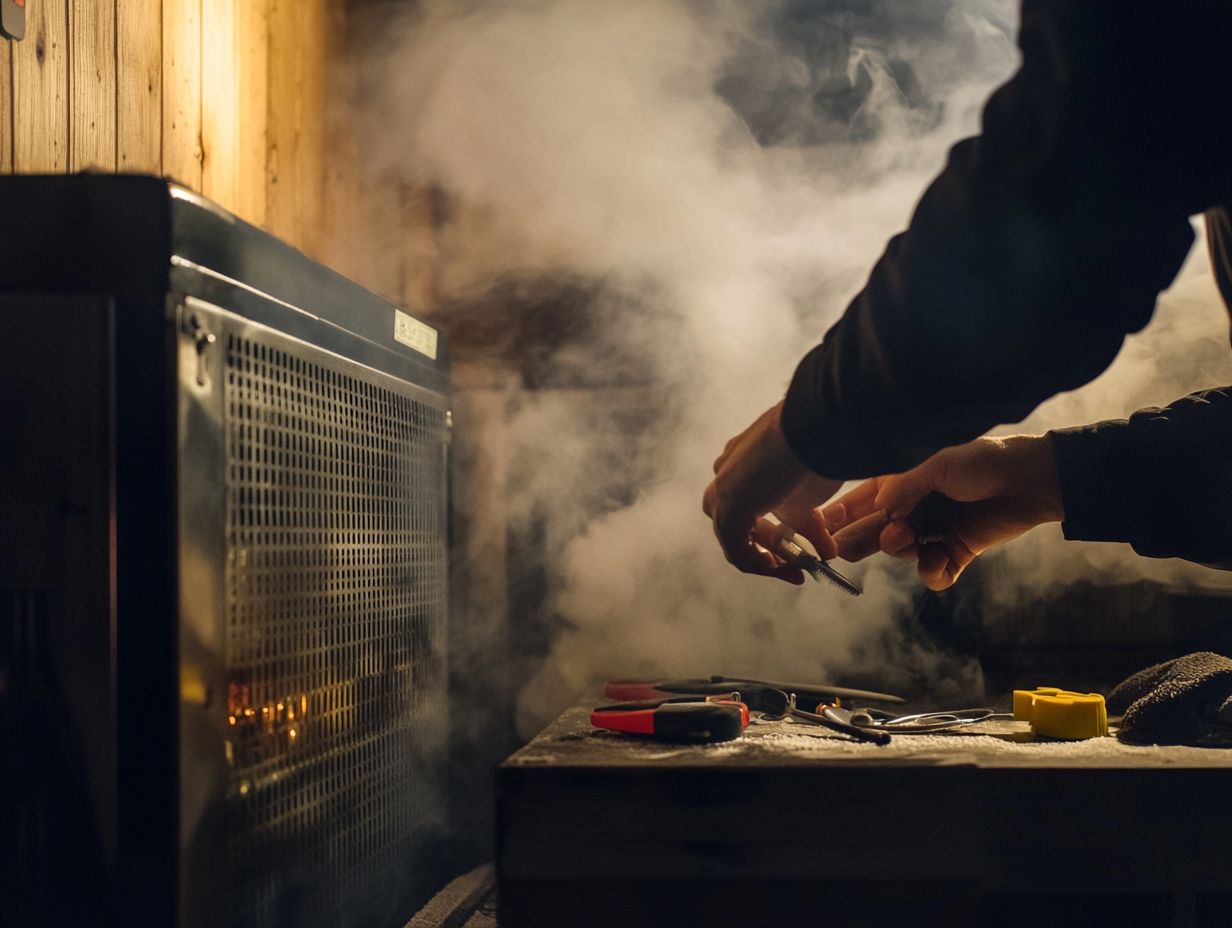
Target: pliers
x,y
682,719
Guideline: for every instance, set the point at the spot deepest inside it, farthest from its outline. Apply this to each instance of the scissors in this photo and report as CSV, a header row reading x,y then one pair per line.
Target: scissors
x,y
921,723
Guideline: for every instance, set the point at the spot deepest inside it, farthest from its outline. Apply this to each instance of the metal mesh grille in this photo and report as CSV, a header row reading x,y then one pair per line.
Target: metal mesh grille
x,y
336,576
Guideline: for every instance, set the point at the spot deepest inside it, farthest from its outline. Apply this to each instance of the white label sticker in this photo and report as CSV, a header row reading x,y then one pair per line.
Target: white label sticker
x,y
414,334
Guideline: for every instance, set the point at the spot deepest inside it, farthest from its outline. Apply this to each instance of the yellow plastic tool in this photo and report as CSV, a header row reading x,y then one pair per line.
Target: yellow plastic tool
x,y
1056,713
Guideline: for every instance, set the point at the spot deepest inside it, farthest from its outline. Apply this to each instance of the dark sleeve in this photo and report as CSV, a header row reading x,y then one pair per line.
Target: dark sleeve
x,y
1160,480
1044,241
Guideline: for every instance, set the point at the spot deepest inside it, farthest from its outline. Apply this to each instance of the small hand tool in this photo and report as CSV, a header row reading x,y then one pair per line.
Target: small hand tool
x,y
805,691
798,551
921,723
759,695
835,719
681,719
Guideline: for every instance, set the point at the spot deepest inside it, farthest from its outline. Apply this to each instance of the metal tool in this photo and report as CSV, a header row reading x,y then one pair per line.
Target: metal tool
x,y
792,548
805,691
682,719
759,695
834,718
921,723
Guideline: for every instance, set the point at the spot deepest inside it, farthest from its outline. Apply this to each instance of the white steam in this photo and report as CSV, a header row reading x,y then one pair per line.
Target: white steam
x,y
612,142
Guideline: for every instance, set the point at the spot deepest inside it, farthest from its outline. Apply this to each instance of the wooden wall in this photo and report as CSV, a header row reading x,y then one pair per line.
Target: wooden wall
x,y
237,99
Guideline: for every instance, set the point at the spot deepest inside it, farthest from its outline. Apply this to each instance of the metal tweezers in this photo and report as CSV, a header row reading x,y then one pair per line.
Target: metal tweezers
x,y
792,548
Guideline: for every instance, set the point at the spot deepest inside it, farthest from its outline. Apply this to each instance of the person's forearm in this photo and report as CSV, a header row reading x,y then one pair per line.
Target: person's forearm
x,y
1160,480
1045,240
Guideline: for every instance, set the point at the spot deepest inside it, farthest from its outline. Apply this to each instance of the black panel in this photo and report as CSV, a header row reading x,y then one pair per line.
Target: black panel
x,y
127,235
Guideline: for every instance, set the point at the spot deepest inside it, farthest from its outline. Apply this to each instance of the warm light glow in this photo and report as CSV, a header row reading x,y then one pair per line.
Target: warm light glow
x,y
278,727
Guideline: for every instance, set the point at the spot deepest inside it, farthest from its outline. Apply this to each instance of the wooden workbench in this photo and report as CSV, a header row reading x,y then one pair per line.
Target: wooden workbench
x,y
791,825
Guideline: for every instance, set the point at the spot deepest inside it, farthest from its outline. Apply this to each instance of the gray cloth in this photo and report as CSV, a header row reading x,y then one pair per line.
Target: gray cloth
x,y
1187,700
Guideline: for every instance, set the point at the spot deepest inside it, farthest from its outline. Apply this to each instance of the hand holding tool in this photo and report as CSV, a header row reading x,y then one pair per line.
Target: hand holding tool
x,y
933,518
798,551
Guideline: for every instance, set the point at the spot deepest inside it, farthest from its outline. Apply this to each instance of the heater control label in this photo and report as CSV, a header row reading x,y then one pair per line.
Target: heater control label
x,y
414,334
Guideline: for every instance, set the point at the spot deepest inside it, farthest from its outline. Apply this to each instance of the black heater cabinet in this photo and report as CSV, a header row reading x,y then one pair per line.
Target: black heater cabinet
x,y
223,570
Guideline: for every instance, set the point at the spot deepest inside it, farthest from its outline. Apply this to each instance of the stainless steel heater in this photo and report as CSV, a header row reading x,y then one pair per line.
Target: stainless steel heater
x,y
223,560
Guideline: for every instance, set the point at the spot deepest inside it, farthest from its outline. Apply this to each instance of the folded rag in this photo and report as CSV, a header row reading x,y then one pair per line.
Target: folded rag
x,y
1187,700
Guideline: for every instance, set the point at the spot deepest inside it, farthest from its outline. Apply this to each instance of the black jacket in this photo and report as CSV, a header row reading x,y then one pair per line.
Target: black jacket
x,y
1044,242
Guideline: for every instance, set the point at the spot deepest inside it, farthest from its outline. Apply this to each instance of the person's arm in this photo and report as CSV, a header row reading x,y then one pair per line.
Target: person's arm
x,y
994,489
1042,244
1160,480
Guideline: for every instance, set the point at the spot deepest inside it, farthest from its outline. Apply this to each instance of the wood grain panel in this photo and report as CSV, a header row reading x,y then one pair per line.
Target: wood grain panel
x,y
181,102
296,129
220,103
252,34
283,136
6,107
139,85
92,86
40,90
312,38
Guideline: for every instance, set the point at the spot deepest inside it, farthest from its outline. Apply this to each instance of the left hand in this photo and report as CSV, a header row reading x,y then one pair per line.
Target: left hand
x,y
757,473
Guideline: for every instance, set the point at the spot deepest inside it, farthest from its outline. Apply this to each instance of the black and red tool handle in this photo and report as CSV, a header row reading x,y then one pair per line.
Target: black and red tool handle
x,y
685,721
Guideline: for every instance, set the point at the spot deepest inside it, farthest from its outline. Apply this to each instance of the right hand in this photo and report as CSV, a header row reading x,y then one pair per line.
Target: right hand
x,y
1003,487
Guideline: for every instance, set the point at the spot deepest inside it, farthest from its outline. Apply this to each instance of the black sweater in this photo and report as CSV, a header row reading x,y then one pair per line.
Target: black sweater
x,y
1047,239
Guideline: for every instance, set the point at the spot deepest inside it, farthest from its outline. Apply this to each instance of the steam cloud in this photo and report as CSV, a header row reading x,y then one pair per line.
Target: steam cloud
x,y
716,177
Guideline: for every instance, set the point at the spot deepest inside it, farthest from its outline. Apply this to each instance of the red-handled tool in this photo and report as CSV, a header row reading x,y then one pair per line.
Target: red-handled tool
x,y
687,720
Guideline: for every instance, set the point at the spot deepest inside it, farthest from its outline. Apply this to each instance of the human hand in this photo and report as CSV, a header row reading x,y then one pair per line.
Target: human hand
x,y
756,474
1000,488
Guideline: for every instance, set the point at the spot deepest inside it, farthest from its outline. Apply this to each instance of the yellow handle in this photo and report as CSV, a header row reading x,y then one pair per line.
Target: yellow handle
x,y
1056,713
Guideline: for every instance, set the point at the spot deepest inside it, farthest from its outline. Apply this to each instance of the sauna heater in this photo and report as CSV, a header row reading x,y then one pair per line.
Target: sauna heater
x,y
223,565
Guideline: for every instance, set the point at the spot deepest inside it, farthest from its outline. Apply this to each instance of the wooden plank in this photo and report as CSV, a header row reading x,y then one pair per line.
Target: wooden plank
x,y
92,86
139,85
182,91
284,117
6,107
296,129
40,85
220,103
252,28
313,39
